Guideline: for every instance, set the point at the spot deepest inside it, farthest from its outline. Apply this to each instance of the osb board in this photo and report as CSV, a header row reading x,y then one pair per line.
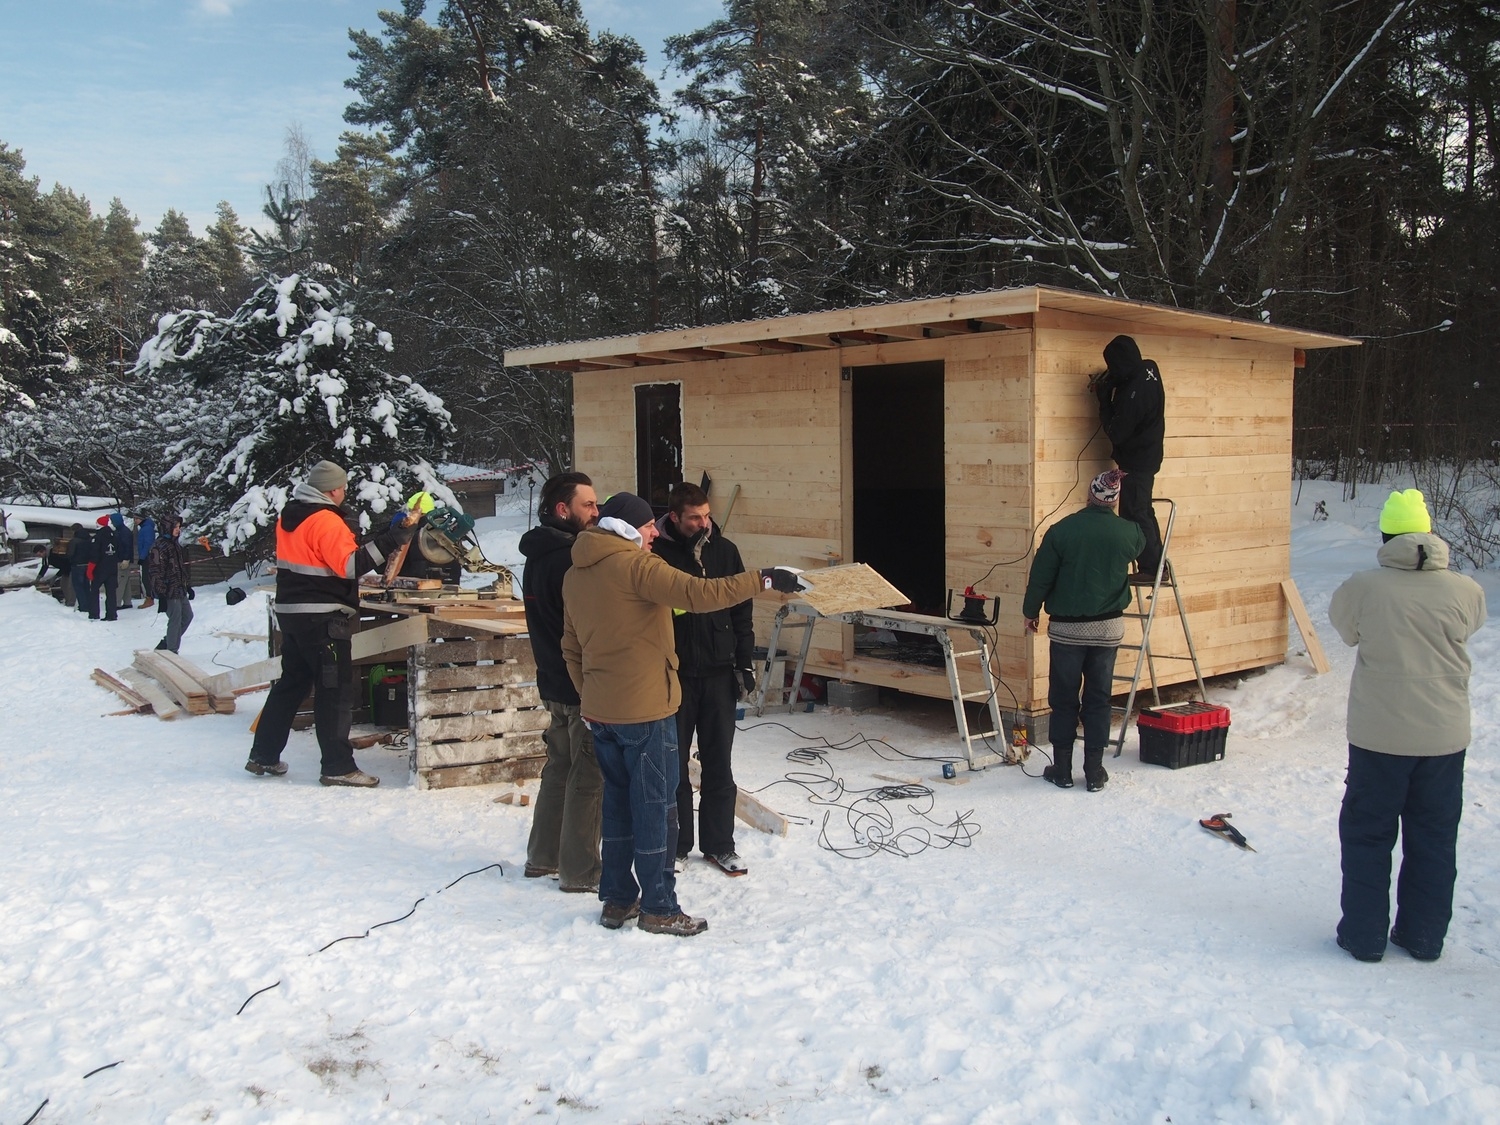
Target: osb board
x,y
844,589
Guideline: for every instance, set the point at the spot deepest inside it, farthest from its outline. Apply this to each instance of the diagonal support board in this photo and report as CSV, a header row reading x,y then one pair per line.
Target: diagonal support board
x,y
747,807
1315,651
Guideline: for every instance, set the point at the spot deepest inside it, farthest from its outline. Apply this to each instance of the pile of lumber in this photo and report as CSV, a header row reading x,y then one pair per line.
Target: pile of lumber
x,y
168,685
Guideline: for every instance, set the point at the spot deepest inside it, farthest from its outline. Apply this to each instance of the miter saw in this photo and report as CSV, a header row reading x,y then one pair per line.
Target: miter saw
x,y
447,536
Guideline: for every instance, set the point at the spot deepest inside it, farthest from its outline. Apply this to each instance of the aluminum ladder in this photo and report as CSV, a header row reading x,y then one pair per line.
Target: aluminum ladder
x,y
1146,599
939,628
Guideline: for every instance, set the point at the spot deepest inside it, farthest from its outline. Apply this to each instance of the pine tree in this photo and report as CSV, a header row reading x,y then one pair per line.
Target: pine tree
x,y
294,375
224,243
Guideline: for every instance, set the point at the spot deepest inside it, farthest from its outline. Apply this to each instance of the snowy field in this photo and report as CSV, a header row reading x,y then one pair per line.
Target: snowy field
x,y
1089,958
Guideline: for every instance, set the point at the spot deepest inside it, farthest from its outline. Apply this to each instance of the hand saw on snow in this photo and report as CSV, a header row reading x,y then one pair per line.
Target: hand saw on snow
x,y
1219,825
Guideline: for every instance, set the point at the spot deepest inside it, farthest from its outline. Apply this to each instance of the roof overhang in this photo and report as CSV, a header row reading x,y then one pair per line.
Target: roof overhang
x,y
990,311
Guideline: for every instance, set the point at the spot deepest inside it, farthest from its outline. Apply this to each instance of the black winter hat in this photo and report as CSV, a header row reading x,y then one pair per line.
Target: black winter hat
x,y
629,507
1122,354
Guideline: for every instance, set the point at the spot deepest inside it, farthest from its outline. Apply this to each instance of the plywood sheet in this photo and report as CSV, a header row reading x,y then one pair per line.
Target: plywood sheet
x,y
844,589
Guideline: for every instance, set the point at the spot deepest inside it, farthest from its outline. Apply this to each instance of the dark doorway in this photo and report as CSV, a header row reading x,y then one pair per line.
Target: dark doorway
x,y
658,441
899,522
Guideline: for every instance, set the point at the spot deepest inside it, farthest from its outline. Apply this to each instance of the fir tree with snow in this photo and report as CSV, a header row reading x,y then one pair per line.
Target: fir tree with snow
x,y
294,375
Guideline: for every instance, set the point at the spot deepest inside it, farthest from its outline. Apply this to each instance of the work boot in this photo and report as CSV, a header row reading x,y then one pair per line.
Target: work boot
x,y
612,917
1060,772
1418,950
148,603
535,872
728,862
1367,958
356,779
1095,776
260,769
678,925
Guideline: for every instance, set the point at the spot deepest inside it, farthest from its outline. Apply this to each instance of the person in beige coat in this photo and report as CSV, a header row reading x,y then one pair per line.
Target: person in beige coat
x,y
621,655
1408,729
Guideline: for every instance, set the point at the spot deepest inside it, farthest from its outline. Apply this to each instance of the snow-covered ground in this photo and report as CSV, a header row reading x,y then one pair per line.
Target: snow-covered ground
x,y
1091,957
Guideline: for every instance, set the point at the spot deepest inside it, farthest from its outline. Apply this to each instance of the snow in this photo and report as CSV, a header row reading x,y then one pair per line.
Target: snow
x,y
1088,957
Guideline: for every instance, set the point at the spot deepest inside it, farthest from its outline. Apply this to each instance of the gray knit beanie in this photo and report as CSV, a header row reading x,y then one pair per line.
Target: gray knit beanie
x,y
326,476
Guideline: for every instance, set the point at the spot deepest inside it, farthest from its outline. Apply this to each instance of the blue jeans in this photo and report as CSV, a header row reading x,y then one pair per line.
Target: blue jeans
x,y
1424,797
1093,666
639,764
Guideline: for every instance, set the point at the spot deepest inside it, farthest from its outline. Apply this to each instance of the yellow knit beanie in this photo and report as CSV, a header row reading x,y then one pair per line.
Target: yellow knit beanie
x,y
1405,512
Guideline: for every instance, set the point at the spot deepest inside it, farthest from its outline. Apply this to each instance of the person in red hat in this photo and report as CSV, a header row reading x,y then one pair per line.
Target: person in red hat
x,y
104,570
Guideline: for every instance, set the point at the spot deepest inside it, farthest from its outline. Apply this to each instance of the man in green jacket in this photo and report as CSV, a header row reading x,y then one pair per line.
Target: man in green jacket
x,y
620,653
1082,574
1408,729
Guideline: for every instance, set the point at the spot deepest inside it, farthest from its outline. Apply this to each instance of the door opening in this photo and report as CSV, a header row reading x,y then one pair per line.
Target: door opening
x,y
899,519
658,441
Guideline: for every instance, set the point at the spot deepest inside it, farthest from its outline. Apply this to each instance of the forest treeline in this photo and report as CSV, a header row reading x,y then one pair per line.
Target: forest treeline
x,y
511,176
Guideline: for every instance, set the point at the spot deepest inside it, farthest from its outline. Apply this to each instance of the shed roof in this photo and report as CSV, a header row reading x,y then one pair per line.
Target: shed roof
x,y
991,310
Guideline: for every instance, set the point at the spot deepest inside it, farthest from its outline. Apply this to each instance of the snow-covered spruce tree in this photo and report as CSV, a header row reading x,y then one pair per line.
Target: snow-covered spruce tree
x,y
294,375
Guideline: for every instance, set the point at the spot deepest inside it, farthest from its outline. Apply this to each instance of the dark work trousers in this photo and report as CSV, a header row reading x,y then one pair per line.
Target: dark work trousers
x,y
1424,797
1135,505
83,591
638,762
1080,681
565,826
104,582
311,658
708,704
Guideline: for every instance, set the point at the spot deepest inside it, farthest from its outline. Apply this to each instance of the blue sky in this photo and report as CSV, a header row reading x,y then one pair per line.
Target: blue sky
x,y
182,103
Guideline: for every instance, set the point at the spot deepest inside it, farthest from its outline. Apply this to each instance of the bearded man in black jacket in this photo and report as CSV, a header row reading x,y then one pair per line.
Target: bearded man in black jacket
x,y
1132,404
565,827
715,654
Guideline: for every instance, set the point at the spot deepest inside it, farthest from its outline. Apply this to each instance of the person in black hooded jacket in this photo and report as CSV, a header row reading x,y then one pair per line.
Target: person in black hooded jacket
x,y
715,655
565,827
1132,404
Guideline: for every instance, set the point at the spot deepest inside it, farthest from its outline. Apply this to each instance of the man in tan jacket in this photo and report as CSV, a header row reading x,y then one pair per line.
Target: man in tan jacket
x,y
1408,729
621,656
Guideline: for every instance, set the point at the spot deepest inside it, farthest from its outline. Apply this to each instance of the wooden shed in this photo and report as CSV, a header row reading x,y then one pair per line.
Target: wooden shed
x,y
937,439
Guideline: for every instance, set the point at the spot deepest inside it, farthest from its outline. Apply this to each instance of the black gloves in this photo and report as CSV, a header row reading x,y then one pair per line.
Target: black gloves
x,y
782,579
403,532
747,680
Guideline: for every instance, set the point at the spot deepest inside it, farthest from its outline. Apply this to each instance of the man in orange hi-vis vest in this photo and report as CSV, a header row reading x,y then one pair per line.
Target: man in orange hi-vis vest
x,y
318,564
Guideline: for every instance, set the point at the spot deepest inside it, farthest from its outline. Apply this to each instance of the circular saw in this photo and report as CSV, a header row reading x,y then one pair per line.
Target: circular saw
x,y
447,536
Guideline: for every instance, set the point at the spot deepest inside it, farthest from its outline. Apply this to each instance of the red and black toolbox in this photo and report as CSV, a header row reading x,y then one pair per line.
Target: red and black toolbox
x,y
1183,734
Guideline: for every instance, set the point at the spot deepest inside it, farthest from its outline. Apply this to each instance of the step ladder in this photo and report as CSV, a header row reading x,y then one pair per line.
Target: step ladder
x,y
980,747
1146,601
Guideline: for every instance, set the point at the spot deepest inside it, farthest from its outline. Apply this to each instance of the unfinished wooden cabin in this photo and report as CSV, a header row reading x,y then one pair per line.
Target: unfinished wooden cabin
x,y
937,439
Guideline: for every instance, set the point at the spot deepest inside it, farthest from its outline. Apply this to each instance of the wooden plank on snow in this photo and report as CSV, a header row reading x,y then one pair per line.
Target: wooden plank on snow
x,y
165,707
239,679
134,698
192,696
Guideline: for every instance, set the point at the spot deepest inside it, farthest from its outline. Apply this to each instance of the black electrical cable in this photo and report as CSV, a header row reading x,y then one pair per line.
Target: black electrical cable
x,y
377,925
1031,541
36,1112
106,1066
866,811
254,994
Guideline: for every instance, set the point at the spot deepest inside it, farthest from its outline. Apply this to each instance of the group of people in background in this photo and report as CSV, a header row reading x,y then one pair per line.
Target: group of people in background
x,y
105,564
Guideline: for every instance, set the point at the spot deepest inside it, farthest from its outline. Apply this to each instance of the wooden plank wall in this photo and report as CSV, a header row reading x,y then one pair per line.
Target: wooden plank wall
x,y
1019,420
770,424
1228,465
987,450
